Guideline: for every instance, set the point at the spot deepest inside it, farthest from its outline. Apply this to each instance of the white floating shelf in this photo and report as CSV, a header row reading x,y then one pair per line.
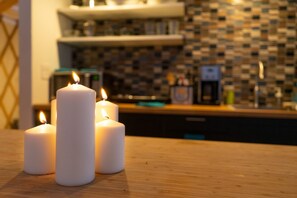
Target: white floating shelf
x,y
125,11
111,41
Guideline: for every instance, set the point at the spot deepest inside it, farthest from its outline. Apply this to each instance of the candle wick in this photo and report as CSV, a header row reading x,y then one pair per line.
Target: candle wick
x,y
107,117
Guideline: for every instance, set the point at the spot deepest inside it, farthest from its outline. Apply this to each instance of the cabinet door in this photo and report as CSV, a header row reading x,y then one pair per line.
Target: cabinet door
x,y
193,127
237,129
264,130
142,124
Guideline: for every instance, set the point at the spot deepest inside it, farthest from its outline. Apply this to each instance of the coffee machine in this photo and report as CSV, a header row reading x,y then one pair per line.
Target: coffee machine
x,y
209,86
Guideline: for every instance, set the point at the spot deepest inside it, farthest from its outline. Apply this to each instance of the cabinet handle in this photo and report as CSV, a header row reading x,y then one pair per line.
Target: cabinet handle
x,y
195,119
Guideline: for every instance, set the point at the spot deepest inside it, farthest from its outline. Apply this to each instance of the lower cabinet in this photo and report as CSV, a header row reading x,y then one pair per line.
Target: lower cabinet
x,y
239,129
219,128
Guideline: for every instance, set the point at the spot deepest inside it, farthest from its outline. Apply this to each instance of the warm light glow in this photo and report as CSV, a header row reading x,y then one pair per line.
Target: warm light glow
x,y
261,70
104,114
68,84
237,2
91,3
103,94
42,117
75,77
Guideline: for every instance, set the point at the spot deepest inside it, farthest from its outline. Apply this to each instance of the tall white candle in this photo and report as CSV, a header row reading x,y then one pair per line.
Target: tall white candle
x,y
111,109
75,164
40,148
110,147
54,112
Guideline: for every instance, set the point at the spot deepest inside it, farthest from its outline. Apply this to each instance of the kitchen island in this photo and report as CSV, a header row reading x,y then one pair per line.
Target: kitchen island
x,y
161,167
208,122
219,123
210,110
213,110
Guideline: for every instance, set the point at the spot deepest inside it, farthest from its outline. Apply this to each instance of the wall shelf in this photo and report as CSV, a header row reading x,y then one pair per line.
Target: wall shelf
x,y
125,11
112,41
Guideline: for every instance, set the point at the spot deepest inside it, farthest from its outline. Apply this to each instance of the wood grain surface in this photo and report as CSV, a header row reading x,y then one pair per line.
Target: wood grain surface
x,y
166,168
208,110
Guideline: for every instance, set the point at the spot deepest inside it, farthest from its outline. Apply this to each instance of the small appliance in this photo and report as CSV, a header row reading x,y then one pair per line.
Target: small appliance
x,y
88,78
209,86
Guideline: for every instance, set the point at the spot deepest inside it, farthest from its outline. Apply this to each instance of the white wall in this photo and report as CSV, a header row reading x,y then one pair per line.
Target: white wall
x,y
39,30
45,59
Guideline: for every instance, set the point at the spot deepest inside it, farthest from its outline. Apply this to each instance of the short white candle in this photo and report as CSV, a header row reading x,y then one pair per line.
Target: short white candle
x,y
40,148
75,164
54,112
111,109
110,147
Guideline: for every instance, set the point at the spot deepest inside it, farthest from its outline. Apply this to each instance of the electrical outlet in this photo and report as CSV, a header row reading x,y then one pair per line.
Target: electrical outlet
x,y
45,71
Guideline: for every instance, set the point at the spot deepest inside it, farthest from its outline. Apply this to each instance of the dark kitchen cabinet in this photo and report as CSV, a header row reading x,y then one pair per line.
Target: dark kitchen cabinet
x,y
240,129
142,125
219,128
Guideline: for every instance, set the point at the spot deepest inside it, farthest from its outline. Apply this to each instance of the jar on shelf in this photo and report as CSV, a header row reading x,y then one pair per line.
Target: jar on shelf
x,y
89,27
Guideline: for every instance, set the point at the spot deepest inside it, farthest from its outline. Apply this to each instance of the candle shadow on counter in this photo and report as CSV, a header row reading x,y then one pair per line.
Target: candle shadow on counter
x,y
24,184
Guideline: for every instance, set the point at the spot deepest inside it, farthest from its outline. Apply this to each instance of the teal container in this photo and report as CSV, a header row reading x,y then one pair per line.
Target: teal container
x,y
194,136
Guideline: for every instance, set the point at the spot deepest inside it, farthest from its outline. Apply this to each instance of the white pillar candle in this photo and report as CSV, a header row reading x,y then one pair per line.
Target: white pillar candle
x,y
75,164
40,149
54,112
111,109
110,147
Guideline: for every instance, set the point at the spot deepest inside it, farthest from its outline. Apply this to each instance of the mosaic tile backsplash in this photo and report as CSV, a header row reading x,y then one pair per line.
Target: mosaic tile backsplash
x,y
232,33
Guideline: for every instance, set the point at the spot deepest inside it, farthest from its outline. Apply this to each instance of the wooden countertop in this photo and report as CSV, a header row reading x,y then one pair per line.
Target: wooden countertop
x,y
200,110
208,110
166,168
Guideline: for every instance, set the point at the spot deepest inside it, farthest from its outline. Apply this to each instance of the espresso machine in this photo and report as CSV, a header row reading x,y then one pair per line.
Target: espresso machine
x,y
209,86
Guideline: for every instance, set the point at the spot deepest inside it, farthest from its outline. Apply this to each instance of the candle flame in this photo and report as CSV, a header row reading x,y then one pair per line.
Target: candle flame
x,y
104,114
103,94
261,70
91,3
42,117
75,77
